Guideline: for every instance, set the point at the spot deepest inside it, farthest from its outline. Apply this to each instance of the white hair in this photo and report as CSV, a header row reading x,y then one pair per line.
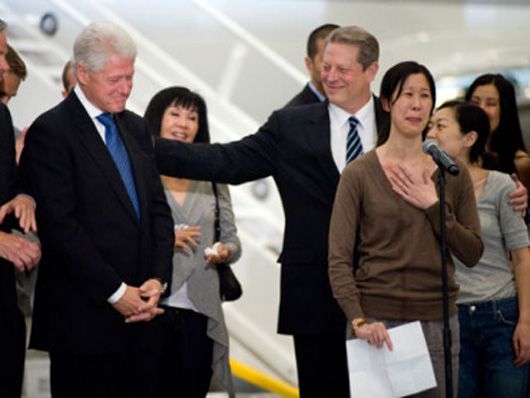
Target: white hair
x,y
98,42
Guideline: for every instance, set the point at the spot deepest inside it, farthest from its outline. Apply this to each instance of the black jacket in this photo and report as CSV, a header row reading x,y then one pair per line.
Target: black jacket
x,y
91,238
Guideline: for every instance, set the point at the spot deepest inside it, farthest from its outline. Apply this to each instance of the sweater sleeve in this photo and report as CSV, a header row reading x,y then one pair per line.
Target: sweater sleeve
x,y
462,223
342,234
227,223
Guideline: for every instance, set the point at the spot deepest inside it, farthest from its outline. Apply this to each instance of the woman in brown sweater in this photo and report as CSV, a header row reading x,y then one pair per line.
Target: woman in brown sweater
x,y
387,200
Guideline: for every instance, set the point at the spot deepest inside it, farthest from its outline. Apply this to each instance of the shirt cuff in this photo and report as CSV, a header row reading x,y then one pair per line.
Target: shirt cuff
x,y
118,294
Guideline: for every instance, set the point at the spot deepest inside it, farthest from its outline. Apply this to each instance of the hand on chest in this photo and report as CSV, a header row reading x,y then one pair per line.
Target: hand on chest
x,y
412,181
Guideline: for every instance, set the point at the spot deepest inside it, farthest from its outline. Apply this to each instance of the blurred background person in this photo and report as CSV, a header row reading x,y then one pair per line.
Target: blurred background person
x,y
68,79
505,145
494,297
16,73
15,251
314,90
195,334
398,276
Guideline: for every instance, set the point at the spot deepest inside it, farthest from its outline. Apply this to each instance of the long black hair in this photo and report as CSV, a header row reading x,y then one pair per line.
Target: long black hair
x,y
507,138
177,96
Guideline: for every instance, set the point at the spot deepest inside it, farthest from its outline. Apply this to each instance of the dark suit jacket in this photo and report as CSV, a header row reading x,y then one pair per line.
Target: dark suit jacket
x,y
304,97
294,148
91,238
8,189
12,327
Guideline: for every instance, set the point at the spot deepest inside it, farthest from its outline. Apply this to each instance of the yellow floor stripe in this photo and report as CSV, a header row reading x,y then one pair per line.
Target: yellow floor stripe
x,y
263,380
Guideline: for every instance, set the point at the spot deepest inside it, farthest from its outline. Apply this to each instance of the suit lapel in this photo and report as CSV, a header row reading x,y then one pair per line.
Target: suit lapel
x,y
319,138
91,140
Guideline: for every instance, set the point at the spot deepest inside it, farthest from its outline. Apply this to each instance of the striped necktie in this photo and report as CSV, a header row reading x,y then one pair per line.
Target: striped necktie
x,y
121,158
354,146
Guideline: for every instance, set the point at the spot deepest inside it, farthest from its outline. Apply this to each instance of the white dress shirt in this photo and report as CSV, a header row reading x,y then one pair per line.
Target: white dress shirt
x,y
92,111
340,126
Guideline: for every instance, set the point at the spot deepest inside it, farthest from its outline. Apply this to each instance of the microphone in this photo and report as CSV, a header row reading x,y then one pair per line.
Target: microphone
x,y
430,147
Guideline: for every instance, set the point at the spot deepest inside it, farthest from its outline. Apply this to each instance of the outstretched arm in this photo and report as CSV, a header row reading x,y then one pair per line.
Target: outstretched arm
x,y
248,159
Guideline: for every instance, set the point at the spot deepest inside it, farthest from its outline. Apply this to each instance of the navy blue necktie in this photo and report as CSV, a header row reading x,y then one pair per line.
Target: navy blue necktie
x,y
121,159
354,146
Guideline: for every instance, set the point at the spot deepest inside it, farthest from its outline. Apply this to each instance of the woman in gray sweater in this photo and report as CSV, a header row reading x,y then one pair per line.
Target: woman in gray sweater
x,y
494,297
195,341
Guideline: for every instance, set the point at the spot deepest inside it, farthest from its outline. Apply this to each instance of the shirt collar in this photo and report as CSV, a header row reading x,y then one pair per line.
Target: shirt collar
x,y
320,97
91,109
341,116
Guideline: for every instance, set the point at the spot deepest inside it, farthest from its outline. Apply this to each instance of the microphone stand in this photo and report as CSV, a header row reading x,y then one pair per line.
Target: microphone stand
x,y
445,289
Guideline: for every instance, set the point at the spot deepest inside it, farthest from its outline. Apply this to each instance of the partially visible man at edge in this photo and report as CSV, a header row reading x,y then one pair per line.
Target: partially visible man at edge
x,y
68,79
105,227
14,250
13,77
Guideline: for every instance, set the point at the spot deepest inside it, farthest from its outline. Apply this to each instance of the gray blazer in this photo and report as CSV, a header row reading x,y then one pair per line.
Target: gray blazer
x,y
203,282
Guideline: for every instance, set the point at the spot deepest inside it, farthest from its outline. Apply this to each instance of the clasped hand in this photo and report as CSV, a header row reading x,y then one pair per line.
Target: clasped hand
x,y
23,253
140,303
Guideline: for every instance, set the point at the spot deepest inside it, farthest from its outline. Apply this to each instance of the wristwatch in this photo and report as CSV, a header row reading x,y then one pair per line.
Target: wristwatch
x,y
356,323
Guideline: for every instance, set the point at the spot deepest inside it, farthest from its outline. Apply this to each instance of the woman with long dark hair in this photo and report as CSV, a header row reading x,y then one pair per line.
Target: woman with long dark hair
x,y
506,150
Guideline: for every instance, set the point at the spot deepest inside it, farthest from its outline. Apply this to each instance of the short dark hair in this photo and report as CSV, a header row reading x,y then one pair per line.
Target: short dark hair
x,y
175,96
16,64
507,138
3,25
317,34
471,117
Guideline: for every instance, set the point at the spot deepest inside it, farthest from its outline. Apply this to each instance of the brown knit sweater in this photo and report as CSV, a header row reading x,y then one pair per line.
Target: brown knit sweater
x,y
399,272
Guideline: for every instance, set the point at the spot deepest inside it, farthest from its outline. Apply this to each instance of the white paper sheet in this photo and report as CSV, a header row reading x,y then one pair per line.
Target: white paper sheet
x,y
380,373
